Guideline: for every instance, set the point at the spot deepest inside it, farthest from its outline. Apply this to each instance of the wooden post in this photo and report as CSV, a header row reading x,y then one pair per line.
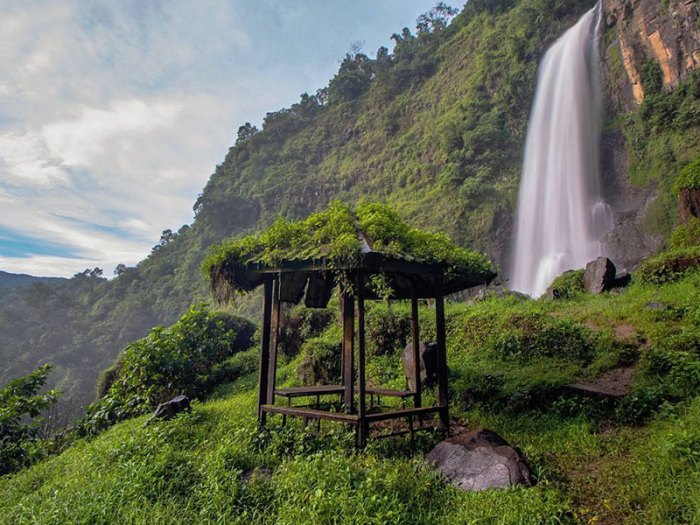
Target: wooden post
x,y
348,311
274,336
264,351
443,400
415,333
362,429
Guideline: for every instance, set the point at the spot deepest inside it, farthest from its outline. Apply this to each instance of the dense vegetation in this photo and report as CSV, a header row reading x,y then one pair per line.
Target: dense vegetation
x,y
636,461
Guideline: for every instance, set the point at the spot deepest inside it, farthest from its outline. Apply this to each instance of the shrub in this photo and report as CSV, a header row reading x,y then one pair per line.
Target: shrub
x,y
686,235
300,323
187,358
320,363
568,285
689,177
670,265
531,335
387,331
20,406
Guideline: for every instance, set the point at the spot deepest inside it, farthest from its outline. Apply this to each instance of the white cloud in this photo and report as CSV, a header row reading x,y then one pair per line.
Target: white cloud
x,y
26,160
82,141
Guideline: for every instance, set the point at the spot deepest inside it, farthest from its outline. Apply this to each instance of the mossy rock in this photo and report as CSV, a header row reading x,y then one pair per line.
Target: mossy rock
x,y
689,177
686,235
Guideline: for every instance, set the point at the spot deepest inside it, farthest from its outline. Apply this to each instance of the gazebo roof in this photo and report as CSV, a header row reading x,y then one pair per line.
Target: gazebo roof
x,y
338,240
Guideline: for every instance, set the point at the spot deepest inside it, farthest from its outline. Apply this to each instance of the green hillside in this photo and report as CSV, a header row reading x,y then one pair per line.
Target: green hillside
x,y
634,461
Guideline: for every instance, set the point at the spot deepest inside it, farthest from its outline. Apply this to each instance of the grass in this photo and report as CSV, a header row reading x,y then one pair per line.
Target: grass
x,y
214,466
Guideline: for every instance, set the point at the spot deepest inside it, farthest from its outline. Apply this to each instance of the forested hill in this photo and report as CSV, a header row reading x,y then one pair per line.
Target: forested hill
x,y
434,126
18,280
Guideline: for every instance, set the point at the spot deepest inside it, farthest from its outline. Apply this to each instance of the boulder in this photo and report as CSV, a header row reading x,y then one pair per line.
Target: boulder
x,y
622,279
599,276
428,363
169,409
480,460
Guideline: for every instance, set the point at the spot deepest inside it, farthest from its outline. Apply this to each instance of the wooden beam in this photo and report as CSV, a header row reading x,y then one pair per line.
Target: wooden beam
x,y
348,311
362,428
264,350
274,337
415,333
443,400
311,413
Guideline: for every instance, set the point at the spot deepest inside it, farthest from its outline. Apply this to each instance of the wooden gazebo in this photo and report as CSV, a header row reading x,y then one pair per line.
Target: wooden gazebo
x,y
348,250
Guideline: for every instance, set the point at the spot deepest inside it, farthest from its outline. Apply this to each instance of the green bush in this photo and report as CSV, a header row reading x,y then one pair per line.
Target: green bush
x,y
567,285
531,335
187,358
689,177
300,323
386,330
20,406
669,266
320,362
686,235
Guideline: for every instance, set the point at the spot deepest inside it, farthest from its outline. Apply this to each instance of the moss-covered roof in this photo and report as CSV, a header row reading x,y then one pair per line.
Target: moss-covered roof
x,y
340,238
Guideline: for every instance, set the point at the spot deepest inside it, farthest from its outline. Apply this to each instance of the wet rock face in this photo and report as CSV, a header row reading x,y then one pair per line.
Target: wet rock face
x,y
480,460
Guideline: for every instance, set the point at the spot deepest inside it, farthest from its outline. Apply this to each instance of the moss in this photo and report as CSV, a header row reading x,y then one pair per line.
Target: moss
x,y
670,265
689,177
686,235
336,235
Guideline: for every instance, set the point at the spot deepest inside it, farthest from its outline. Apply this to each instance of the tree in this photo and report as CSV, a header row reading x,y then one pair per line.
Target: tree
x,y
119,269
20,407
245,132
436,19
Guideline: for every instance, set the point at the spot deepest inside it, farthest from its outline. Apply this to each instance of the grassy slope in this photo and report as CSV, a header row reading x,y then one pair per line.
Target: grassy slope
x,y
590,467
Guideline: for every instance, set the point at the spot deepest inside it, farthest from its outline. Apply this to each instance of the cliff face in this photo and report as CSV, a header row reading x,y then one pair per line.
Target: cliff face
x,y
667,32
640,38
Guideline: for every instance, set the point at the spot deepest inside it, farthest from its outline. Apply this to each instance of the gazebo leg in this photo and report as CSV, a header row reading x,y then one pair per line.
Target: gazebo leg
x,y
443,401
362,428
264,352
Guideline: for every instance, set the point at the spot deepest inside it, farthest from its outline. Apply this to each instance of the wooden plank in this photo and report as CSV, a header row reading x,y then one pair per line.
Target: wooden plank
x,y
274,336
301,391
388,392
405,412
442,357
348,308
415,334
264,350
311,413
293,286
361,400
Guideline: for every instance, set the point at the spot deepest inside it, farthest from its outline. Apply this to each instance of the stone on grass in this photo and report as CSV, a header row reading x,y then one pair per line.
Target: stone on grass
x,y
170,409
427,353
599,276
480,460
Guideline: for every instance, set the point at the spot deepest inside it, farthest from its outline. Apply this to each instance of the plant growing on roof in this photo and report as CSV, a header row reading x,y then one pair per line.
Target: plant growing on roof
x,y
338,238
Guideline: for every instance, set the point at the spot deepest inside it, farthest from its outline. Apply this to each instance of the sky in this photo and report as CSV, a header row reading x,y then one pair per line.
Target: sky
x,y
113,114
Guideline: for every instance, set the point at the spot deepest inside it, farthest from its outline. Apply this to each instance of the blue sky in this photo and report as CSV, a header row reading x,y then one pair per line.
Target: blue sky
x,y
113,114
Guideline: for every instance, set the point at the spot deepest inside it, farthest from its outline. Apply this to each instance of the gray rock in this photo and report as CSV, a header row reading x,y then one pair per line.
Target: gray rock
x,y
480,460
169,409
428,363
622,279
599,276
656,306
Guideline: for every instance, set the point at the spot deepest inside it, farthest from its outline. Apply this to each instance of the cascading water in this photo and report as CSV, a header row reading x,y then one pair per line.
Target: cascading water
x,y
561,213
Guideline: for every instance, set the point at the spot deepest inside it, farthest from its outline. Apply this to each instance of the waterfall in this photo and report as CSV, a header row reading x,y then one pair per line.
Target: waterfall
x,y
561,212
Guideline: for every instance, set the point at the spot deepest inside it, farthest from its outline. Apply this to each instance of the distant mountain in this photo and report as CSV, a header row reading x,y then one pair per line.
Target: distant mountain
x,y
17,280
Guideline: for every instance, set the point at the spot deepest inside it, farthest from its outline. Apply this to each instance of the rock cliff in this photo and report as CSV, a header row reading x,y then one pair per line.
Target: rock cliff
x,y
639,36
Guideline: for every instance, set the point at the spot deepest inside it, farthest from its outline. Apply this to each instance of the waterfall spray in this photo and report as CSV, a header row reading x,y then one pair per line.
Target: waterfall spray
x,y
561,213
